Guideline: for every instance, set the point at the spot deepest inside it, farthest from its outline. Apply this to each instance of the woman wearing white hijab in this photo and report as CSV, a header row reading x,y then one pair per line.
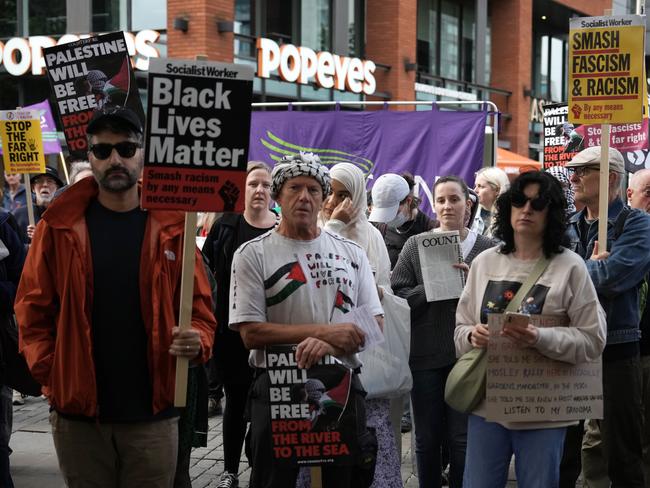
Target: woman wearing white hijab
x,y
344,212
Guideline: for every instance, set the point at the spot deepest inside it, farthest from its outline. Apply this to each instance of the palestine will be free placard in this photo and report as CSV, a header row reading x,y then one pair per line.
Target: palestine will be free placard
x,y
198,125
606,73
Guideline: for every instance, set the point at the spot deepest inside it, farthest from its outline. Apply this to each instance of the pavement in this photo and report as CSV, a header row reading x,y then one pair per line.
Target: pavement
x,y
34,463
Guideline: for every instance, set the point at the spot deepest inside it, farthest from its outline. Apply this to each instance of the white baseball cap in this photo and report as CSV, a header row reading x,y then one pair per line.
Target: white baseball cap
x,y
387,193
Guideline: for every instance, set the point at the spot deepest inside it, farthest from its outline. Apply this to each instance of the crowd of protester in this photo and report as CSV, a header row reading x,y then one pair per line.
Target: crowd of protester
x,y
96,274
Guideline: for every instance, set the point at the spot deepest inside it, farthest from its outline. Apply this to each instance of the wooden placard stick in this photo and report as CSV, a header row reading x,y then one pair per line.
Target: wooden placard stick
x,y
603,192
185,309
316,473
65,168
28,195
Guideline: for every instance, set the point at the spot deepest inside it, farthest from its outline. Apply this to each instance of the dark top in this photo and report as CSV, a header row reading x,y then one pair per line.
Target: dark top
x,y
395,238
432,323
22,218
644,343
124,388
229,353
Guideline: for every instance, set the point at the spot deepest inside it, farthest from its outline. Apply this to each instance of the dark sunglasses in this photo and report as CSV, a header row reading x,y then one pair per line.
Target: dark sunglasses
x,y
103,150
519,200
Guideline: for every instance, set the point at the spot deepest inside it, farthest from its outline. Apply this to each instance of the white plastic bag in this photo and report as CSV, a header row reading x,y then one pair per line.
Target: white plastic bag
x,y
385,372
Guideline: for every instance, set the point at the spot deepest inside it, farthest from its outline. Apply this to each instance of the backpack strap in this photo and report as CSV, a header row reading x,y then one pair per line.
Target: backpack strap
x,y
619,223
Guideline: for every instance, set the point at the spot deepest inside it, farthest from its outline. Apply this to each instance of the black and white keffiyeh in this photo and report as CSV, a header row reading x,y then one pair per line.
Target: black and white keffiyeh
x,y
303,164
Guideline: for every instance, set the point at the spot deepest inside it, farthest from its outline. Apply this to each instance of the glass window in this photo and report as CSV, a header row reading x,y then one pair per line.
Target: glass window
x,y
557,63
8,18
279,17
355,28
469,36
449,52
427,37
47,17
244,25
148,14
109,15
315,24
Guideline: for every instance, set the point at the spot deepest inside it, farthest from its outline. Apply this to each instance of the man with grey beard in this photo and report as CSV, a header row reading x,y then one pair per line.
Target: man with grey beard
x,y
44,186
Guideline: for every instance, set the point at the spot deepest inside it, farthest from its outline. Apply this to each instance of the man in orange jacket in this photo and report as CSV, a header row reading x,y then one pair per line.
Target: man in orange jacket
x,y
97,306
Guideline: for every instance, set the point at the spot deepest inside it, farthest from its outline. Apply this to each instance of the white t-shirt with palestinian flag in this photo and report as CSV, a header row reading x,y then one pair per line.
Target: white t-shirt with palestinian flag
x,y
286,281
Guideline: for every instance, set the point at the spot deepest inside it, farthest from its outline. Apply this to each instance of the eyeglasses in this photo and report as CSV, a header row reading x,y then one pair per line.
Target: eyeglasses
x,y
538,204
580,171
103,150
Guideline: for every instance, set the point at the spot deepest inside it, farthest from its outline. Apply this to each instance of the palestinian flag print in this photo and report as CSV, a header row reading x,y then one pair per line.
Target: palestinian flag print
x,y
289,278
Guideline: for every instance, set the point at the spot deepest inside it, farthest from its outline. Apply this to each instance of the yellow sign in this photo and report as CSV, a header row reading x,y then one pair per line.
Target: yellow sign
x,y
22,142
606,75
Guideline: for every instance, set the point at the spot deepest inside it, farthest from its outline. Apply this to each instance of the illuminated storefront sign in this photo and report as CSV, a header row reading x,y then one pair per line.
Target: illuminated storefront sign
x,y
19,55
304,65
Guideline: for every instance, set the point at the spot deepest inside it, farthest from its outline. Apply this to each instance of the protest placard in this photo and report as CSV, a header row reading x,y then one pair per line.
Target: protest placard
x,y
606,74
87,75
22,143
438,251
198,124
562,139
525,386
313,413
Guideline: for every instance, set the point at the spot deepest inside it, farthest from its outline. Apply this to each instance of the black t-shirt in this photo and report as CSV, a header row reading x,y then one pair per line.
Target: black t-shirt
x,y
119,338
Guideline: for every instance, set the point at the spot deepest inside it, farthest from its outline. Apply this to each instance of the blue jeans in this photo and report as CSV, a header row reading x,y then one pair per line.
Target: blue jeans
x,y
490,447
435,420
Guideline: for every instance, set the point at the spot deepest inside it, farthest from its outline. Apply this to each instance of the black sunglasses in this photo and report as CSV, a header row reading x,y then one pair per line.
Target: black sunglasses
x,y
103,150
538,204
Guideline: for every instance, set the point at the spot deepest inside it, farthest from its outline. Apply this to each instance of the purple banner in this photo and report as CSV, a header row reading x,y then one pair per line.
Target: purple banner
x,y
426,143
51,143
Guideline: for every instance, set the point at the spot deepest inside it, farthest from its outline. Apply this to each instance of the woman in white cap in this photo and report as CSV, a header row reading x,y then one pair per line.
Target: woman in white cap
x,y
489,184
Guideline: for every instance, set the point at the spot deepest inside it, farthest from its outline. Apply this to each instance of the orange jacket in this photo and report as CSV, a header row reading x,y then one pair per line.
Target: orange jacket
x,y
55,294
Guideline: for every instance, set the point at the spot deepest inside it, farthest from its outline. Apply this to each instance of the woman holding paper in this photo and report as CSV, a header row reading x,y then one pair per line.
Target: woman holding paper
x,y
530,221
432,333
344,212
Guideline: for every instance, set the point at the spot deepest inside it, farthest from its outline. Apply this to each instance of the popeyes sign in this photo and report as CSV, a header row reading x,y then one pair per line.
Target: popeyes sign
x,y
18,54
304,65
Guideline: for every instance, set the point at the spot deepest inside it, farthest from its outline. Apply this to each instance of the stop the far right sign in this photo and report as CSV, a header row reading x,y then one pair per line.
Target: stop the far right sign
x,y
606,74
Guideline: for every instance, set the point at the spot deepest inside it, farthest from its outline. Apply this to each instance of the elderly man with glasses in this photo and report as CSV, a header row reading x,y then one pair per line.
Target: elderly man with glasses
x,y
617,275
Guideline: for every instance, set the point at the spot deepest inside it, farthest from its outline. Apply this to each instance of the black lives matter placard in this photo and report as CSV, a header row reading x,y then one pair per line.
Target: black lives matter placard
x,y
198,125
313,415
87,75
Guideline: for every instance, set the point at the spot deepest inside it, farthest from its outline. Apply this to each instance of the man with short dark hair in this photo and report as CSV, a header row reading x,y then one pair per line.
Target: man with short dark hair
x,y
617,275
276,299
97,306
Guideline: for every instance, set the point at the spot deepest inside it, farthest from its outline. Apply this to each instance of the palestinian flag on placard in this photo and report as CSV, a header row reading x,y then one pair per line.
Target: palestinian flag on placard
x,y
288,278
341,300
120,81
339,394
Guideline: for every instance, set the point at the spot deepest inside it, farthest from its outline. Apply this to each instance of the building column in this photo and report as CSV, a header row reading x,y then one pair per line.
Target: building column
x,y
391,40
512,47
202,36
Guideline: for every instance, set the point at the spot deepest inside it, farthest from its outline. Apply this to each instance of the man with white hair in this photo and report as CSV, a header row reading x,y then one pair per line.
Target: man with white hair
x,y
276,298
44,187
617,275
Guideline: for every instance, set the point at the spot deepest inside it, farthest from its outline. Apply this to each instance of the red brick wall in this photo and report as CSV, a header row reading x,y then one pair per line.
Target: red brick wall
x,y
591,8
512,44
202,36
391,39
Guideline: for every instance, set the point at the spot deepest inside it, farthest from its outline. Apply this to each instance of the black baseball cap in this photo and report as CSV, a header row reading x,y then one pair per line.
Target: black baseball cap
x,y
121,115
49,171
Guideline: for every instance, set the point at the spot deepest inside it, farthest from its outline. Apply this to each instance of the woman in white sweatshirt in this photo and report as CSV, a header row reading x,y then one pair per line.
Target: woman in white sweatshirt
x,y
530,221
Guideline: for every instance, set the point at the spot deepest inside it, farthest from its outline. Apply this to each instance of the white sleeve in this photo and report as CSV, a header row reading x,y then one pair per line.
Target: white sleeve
x,y
367,290
247,295
466,317
584,340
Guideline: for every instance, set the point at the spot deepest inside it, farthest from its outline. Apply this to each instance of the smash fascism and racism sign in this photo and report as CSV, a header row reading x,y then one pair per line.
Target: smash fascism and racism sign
x,y
87,75
198,124
525,386
606,73
313,414
22,143
562,139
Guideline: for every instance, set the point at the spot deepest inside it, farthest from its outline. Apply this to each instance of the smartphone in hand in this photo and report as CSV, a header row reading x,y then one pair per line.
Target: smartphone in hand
x,y
514,319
